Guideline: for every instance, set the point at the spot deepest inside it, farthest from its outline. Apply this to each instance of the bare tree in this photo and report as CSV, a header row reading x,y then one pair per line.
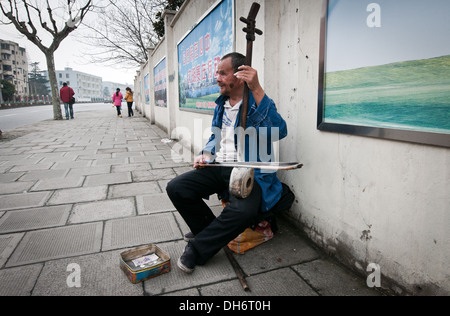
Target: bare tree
x,y
54,24
124,30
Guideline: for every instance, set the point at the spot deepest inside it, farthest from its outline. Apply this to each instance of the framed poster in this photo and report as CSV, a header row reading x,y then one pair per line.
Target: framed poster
x,y
147,88
160,84
199,54
385,69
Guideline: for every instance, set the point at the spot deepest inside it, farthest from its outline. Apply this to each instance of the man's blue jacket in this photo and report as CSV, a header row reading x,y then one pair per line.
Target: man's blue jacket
x,y
265,126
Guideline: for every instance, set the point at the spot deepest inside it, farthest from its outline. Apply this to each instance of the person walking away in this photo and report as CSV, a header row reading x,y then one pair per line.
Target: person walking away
x,y
129,99
66,94
117,100
210,234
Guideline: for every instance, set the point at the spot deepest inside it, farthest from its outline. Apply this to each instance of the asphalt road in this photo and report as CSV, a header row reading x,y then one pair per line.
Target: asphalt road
x,y
14,118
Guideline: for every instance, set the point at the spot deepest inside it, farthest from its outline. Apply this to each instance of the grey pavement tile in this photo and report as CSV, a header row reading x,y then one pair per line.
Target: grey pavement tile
x,y
89,171
11,156
130,167
111,178
7,245
94,157
54,157
18,201
127,154
65,146
58,183
133,189
39,166
99,275
170,164
154,158
16,161
142,148
71,164
43,174
140,230
38,218
102,210
65,150
55,243
19,281
155,203
15,187
332,280
217,269
109,149
10,177
153,175
78,195
4,167
282,282
75,154
110,161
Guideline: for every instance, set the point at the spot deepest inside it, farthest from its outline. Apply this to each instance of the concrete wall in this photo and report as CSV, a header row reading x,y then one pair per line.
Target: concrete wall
x,y
364,200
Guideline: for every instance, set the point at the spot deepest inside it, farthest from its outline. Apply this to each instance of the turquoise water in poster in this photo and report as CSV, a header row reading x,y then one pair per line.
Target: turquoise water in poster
x,y
199,54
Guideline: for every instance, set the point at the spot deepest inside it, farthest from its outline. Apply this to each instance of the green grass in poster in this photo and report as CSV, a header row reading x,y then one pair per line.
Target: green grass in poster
x,y
406,95
201,103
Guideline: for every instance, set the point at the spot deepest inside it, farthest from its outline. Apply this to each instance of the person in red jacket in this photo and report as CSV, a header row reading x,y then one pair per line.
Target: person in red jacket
x,y
66,94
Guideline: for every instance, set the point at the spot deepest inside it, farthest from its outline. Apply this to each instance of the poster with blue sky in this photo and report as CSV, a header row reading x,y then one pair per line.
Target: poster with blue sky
x,y
199,54
160,83
387,64
147,88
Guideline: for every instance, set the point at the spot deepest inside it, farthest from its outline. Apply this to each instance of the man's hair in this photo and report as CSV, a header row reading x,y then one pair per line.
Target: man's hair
x,y
64,84
237,60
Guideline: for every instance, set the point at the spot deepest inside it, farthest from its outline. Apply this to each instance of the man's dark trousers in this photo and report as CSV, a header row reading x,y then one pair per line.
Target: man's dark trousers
x,y
212,234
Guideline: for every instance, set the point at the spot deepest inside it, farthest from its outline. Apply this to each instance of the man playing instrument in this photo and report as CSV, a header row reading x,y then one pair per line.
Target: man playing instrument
x,y
210,234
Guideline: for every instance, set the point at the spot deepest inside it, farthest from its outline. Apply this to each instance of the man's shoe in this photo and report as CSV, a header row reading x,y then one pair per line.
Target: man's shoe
x,y
186,262
189,237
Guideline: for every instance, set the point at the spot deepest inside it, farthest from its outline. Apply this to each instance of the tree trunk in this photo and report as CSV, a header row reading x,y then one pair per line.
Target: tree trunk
x,y
57,115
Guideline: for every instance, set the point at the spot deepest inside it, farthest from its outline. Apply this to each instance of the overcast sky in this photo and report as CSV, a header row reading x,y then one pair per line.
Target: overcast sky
x,y
410,30
69,54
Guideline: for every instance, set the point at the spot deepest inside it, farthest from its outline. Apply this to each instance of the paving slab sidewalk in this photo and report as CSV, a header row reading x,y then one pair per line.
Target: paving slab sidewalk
x,y
75,194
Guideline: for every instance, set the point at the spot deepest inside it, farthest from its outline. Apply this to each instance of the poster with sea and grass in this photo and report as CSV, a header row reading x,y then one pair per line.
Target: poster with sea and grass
x,y
387,64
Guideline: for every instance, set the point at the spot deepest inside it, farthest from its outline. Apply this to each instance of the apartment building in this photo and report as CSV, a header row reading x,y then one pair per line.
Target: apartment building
x,y
14,67
87,87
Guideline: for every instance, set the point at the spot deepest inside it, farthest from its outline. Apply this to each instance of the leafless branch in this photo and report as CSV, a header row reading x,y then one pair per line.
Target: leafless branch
x,y
123,31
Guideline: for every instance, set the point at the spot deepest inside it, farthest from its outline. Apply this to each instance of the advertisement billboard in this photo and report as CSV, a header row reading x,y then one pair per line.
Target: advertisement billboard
x,y
199,54
160,83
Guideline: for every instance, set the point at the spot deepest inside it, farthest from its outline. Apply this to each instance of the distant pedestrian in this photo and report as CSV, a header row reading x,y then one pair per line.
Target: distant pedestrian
x,y
129,99
117,100
66,94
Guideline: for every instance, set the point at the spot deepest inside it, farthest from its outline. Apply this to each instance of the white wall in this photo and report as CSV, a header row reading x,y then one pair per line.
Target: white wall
x,y
364,200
